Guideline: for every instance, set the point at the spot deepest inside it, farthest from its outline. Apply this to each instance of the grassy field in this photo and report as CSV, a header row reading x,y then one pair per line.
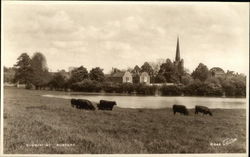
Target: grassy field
x,y
32,119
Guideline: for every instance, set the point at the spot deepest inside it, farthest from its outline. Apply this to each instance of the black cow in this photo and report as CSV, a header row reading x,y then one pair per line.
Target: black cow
x,y
203,109
180,108
82,104
73,102
106,105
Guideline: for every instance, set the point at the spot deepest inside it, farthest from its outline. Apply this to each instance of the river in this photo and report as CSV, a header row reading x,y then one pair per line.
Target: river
x,y
155,102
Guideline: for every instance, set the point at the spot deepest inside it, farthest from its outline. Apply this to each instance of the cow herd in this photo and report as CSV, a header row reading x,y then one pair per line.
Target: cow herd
x,y
108,105
183,110
88,105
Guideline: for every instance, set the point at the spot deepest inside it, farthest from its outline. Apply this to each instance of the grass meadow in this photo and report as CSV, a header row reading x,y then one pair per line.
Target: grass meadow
x,y
43,125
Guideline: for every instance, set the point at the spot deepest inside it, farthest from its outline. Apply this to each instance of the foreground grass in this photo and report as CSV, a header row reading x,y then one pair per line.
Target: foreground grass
x,y
32,119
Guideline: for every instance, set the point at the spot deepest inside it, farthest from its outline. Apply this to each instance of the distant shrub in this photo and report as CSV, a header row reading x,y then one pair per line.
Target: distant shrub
x,y
117,88
145,89
210,87
192,88
211,90
198,88
127,87
108,87
86,86
172,90
28,86
234,87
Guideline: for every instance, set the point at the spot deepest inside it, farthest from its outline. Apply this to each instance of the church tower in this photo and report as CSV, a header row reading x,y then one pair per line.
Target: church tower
x,y
177,55
179,63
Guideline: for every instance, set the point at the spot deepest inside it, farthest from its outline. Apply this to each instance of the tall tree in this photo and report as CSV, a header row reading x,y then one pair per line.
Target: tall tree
x,y
168,71
234,86
186,79
78,74
136,70
58,81
136,74
160,78
96,74
23,69
146,67
201,72
40,74
9,74
157,65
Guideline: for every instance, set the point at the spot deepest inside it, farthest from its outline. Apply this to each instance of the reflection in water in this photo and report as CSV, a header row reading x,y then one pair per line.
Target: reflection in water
x,y
162,102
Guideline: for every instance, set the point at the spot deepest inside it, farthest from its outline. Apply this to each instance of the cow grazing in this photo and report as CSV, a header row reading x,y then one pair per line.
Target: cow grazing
x,y
82,104
73,102
202,109
180,108
106,105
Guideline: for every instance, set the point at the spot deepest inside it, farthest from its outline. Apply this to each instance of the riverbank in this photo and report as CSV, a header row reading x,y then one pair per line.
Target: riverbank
x,y
68,92
143,90
35,124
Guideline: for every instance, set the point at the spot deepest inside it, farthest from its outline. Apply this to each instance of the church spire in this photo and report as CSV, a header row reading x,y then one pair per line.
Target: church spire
x,y
177,57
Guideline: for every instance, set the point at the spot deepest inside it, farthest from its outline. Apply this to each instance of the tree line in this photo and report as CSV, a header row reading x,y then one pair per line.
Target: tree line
x,y
33,72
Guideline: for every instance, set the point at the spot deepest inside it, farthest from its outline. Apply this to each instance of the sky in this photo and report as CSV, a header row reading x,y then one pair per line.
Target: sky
x,y
125,34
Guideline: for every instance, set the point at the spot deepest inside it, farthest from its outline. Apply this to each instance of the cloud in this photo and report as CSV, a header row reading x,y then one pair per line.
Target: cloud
x,y
60,22
62,45
115,35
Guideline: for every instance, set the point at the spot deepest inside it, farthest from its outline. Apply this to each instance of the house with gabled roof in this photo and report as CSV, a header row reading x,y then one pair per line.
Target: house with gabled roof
x,y
144,78
120,77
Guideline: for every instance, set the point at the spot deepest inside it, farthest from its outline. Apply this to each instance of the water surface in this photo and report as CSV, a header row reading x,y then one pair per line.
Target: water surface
x,y
161,101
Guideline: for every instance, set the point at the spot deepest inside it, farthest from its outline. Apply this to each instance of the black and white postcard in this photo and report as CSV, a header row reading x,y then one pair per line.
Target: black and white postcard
x,y
122,78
